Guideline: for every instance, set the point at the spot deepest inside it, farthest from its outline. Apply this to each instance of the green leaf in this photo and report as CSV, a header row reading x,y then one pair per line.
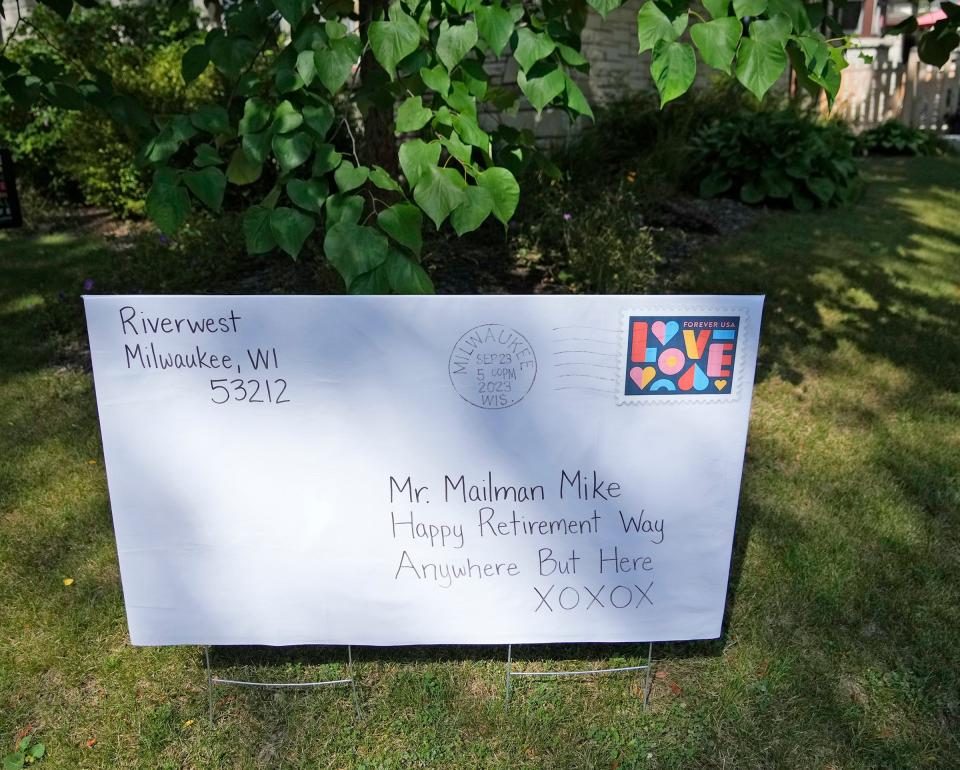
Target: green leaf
x,y
64,96
354,249
454,42
416,156
230,54
774,30
715,183
438,192
291,229
287,80
572,56
8,67
406,276
718,8
674,67
469,130
474,77
383,180
344,208
752,193
504,190
194,62
20,91
38,750
375,282
257,146
326,159
476,207
168,205
462,100
436,79
749,7
162,146
208,185
654,27
242,170
292,150
211,118
794,10
542,89
532,47
821,187
576,101
495,26
391,41
775,179
293,10
319,118
412,115
14,761
829,80
335,29
603,7
308,194
286,118
936,45
403,222
256,115
456,148
760,64
271,198
717,41
349,177
335,63
306,66
206,155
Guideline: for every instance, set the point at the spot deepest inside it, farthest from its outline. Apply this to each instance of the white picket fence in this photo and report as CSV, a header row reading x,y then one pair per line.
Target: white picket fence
x,y
913,92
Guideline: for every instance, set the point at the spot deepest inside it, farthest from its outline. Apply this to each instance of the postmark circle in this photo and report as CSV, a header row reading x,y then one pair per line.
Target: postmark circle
x,y
492,366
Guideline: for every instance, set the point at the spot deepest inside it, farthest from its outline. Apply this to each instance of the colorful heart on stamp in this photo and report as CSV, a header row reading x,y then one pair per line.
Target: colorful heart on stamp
x,y
664,331
721,384
693,379
642,377
700,380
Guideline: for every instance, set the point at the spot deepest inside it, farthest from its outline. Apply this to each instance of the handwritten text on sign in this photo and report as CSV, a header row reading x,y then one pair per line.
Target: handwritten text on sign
x,y
405,470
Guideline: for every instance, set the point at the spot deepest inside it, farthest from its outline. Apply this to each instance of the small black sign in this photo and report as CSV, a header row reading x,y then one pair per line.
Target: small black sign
x,y
9,202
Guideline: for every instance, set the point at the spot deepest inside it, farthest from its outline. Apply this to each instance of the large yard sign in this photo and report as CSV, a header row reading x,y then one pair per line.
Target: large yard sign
x,y
404,470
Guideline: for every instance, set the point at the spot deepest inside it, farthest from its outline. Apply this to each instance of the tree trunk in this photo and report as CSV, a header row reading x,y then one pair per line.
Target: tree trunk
x,y
378,145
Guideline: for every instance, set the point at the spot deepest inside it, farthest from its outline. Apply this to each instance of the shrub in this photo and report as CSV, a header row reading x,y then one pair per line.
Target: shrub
x,y
895,138
634,132
781,157
83,156
593,241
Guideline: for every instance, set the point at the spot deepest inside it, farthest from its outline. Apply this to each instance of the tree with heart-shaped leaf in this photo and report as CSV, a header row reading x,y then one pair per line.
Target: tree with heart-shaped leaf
x,y
282,144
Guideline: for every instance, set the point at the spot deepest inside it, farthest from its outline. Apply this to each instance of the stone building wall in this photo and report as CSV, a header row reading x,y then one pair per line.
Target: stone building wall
x,y
615,68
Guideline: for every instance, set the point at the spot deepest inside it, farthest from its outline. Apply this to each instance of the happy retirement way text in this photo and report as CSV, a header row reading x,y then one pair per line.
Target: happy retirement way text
x,y
580,577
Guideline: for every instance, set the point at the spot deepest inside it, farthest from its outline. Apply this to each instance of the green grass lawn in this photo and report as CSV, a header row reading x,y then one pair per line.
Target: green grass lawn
x,y
843,617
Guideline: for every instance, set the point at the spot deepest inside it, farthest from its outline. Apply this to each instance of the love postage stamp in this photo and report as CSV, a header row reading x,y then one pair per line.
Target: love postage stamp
x,y
680,356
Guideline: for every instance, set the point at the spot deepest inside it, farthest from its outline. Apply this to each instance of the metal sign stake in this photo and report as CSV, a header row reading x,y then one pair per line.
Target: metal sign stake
x,y
510,673
213,680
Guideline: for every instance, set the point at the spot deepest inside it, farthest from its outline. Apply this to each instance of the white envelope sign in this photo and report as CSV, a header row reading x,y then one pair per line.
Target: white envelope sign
x,y
423,470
